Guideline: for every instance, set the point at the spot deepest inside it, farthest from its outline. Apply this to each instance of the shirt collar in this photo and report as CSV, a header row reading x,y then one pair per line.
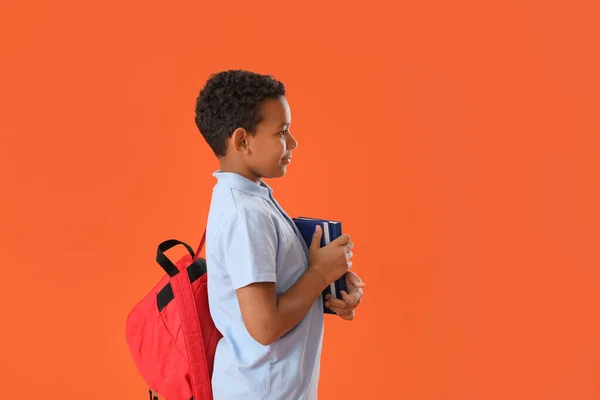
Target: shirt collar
x,y
239,182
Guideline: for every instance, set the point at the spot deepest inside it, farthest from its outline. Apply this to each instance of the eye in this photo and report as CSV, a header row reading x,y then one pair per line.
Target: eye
x,y
283,133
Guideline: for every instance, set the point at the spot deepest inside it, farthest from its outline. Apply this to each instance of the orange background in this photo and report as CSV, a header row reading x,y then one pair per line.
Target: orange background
x,y
459,142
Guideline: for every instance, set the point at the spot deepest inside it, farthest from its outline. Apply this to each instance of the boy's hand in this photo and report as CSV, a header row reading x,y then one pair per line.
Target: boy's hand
x,y
345,306
333,260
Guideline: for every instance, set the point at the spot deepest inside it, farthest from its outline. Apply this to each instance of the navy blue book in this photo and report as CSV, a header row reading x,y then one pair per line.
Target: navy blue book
x,y
331,231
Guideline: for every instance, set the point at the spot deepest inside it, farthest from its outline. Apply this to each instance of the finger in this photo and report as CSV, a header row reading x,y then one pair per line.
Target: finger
x,y
352,298
348,317
339,304
353,279
348,246
340,311
349,255
342,240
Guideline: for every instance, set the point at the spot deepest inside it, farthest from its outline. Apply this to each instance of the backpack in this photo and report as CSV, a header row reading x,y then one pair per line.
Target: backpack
x,y
170,333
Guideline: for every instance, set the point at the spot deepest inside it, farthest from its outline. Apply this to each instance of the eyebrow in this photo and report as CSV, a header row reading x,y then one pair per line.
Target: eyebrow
x,y
284,124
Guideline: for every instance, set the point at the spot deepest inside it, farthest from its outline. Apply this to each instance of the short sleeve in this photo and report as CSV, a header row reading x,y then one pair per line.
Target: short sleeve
x,y
248,246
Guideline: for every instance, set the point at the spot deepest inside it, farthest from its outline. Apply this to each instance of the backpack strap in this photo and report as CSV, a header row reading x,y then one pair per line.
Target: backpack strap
x,y
165,246
197,256
190,324
164,261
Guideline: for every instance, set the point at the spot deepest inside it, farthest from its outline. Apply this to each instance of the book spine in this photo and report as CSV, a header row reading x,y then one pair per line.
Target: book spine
x,y
340,284
327,236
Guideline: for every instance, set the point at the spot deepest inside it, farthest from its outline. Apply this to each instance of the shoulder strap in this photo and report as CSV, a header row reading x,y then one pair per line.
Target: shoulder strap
x,y
200,246
190,324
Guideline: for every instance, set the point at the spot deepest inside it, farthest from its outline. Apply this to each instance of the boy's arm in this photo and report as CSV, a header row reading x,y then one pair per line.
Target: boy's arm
x,y
248,242
267,316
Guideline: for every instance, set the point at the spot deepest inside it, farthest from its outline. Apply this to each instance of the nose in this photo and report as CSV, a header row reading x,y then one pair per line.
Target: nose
x,y
292,143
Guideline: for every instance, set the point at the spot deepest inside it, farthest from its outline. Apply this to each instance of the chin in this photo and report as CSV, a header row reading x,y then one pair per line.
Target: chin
x,y
281,173
278,173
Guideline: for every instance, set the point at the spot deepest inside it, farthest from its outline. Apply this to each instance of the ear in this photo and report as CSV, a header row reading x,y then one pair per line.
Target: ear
x,y
239,140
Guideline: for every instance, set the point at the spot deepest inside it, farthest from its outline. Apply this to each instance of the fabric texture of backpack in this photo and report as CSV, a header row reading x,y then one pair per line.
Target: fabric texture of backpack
x,y
170,333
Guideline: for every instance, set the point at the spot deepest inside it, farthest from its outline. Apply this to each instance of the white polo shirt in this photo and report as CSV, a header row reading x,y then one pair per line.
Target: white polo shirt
x,y
249,238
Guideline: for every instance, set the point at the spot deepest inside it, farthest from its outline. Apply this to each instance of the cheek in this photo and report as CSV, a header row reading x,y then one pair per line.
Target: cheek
x,y
270,151
279,149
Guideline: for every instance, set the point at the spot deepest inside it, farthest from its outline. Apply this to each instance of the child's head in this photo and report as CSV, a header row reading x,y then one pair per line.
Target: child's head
x,y
245,119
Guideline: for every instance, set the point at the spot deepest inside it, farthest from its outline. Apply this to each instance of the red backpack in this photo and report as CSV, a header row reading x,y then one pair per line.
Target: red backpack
x,y
170,333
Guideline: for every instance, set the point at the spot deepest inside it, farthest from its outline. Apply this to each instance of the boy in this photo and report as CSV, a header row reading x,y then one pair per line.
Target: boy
x,y
264,283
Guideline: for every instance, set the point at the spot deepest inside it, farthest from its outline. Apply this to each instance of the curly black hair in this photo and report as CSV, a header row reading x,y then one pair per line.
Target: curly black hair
x,y
231,100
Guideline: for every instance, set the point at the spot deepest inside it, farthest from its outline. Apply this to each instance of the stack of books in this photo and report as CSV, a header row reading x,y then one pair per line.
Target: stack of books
x,y
331,231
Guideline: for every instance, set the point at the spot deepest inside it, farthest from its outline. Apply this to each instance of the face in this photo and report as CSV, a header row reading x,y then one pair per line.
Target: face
x,y
268,152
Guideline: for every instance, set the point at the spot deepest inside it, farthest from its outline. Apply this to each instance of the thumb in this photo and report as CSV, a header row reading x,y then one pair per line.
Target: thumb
x,y
316,239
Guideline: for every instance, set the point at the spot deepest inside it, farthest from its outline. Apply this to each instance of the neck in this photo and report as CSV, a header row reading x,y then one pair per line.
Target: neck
x,y
237,168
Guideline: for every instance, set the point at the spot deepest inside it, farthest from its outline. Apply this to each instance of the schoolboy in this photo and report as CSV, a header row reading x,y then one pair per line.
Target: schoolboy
x,y
264,283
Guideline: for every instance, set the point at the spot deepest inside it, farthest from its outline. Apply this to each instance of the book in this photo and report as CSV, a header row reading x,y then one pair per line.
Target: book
x,y
331,231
